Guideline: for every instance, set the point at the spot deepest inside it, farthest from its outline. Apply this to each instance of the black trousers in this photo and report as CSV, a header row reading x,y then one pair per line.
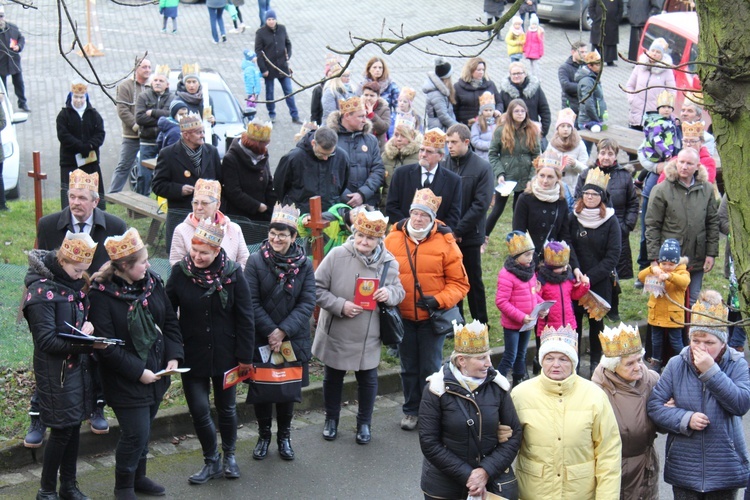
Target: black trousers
x,y
135,431
367,386
18,87
497,210
284,412
197,392
476,296
635,42
60,454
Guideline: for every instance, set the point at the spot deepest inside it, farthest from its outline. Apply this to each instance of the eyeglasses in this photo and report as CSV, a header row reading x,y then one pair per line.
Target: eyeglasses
x,y
590,194
278,236
199,203
691,141
518,74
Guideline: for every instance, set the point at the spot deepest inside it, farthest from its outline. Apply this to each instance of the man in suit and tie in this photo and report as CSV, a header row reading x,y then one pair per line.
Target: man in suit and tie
x,y
427,173
80,216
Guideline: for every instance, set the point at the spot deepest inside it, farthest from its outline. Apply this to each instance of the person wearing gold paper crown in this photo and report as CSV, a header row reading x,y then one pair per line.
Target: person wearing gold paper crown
x,y
463,460
693,136
80,130
128,302
558,284
401,149
627,382
247,179
56,302
151,105
348,333
700,400
282,287
427,255
571,445
212,297
206,203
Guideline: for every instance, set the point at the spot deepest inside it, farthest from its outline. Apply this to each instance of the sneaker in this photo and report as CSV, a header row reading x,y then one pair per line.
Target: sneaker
x,y
409,422
297,121
242,27
35,435
233,31
99,424
223,38
164,30
174,32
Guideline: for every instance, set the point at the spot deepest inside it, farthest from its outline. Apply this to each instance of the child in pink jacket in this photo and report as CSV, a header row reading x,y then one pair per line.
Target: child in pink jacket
x,y
517,295
558,284
533,47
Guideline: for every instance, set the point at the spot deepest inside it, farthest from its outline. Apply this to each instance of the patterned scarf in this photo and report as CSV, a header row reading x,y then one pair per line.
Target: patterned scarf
x,y
285,267
213,278
195,156
59,289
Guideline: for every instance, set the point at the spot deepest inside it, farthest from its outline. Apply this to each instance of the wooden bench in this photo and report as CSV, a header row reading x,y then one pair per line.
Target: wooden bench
x,y
140,206
149,164
628,139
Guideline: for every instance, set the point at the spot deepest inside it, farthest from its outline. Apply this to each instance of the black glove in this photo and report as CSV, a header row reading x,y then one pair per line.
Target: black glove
x,y
428,302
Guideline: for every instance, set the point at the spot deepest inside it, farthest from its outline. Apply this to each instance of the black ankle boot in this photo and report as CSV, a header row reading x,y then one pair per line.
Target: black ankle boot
x,y
264,439
144,485
517,379
330,429
231,470
124,486
69,491
284,441
363,434
212,469
46,495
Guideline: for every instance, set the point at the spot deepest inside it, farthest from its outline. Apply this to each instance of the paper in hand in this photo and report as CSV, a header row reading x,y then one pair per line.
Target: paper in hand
x,y
539,308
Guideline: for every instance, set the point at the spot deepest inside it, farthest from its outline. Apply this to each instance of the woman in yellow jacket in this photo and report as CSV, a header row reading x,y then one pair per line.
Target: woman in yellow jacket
x,y
571,444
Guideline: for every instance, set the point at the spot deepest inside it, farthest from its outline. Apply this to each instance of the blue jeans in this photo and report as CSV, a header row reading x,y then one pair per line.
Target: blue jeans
x,y
263,6
128,153
516,57
696,282
516,344
197,392
215,18
135,430
421,354
286,86
145,175
737,335
657,340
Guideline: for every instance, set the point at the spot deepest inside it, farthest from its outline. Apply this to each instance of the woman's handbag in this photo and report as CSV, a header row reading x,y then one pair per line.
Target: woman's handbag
x,y
269,383
391,324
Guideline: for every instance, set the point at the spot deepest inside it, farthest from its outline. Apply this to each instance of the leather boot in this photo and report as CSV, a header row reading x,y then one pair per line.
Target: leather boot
x,y
363,434
212,469
228,431
124,486
284,439
231,469
536,367
46,495
264,439
69,491
144,485
330,429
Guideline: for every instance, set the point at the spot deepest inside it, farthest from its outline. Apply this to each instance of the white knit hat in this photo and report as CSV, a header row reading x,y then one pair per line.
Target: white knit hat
x,y
563,340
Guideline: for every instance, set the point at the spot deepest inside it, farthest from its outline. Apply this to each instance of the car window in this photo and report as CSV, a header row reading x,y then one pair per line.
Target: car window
x,y
692,58
224,109
676,42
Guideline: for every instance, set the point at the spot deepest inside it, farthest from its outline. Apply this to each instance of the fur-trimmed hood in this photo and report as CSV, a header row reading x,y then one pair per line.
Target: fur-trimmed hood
x,y
390,151
530,86
37,269
436,381
670,172
666,61
334,123
433,83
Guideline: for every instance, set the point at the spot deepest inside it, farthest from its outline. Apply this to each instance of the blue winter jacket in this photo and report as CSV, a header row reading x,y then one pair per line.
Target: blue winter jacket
x,y
715,458
251,73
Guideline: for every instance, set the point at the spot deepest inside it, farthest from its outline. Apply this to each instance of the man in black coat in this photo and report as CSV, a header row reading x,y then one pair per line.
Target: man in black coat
x,y
477,183
638,13
152,104
11,45
566,73
408,179
274,49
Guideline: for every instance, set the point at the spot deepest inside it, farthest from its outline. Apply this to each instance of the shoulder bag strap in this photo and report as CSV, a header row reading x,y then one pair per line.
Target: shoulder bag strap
x,y
411,264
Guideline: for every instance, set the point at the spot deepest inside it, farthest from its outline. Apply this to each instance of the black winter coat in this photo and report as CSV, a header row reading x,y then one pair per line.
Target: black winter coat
x,y
275,308
449,449
215,338
566,73
408,179
316,104
79,136
120,366
159,106
10,60
61,368
530,91
477,189
174,169
598,251
467,99
611,34
276,46
246,184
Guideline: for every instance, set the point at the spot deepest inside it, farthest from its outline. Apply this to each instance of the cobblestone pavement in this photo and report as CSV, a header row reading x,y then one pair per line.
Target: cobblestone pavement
x,y
126,32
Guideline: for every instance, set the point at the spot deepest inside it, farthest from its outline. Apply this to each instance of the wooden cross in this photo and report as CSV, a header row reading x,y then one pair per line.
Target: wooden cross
x,y
316,225
38,177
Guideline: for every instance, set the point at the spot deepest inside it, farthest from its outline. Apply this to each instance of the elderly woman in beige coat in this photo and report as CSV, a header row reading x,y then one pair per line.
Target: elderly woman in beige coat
x,y
628,383
348,333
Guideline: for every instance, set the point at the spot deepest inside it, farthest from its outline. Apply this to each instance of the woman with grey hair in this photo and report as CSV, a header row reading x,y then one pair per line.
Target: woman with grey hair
x,y
628,383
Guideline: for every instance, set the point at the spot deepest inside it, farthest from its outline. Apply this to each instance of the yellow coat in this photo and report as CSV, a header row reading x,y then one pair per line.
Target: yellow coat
x,y
662,312
571,444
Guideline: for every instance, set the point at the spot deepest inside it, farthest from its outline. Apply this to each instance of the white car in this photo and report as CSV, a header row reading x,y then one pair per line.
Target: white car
x,y
11,163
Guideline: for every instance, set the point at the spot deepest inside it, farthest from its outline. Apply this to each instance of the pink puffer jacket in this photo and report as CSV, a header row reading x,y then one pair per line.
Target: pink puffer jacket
x,y
515,298
563,294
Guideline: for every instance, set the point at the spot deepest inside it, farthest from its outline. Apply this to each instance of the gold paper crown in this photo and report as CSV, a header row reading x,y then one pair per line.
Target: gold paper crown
x,y
409,93
598,178
487,98
190,121
620,340
163,70
79,88
519,243
209,232
259,131
556,258
596,306
547,160
78,247
693,130
350,105
190,70
473,338
695,97
666,98
78,179
205,187
287,214
592,57
565,334
715,321
425,199
126,244
371,223
434,138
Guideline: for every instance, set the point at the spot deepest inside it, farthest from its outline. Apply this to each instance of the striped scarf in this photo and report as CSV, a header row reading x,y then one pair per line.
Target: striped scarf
x,y
195,156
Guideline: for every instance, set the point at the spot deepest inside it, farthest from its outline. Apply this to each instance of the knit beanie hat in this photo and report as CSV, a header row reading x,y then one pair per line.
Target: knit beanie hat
x,y
175,107
659,44
533,20
713,319
270,13
670,251
563,340
249,54
443,68
566,115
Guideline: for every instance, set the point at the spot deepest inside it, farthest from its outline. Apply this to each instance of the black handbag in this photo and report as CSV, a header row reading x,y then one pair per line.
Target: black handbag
x,y
391,324
269,383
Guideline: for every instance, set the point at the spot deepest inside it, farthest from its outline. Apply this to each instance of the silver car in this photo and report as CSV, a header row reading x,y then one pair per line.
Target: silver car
x,y
569,11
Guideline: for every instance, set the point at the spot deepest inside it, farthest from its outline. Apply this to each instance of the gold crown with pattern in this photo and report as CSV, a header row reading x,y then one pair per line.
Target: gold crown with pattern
x,y
286,214
78,179
695,97
425,199
434,138
473,338
126,244
350,105
487,98
190,71
190,121
556,254
210,233
598,178
259,131
666,98
163,70
409,93
595,305
79,88
620,341
550,160
207,187
371,223
693,130
565,334
709,315
519,243
78,247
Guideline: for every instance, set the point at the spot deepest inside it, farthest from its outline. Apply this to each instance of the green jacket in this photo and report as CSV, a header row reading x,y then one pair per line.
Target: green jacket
x,y
335,234
516,166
